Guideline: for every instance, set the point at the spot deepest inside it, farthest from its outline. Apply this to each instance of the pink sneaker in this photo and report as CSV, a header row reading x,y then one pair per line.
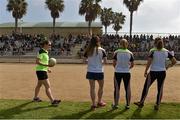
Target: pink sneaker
x,y
101,104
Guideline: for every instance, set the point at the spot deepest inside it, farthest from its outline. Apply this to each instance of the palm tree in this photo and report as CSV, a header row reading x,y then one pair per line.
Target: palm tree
x,y
117,27
18,8
91,9
132,5
55,6
106,17
118,20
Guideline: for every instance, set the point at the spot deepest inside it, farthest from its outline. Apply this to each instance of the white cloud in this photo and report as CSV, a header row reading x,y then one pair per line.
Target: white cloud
x,y
157,16
152,15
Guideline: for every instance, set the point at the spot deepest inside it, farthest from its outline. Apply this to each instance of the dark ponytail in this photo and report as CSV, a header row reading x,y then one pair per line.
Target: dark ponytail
x,y
94,43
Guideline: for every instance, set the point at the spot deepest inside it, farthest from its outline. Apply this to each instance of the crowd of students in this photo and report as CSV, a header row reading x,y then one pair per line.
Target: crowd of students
x,y
22,44
139,45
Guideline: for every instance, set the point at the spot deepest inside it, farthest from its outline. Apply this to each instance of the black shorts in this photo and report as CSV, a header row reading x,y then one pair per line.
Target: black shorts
x,y
94,76
42,75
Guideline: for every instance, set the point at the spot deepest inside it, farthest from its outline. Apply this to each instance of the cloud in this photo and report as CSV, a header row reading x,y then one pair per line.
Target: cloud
x,y
152,15
157,17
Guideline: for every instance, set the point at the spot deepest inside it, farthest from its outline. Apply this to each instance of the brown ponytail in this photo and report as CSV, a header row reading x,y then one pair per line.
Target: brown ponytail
x,y
94,43
159,43
124,43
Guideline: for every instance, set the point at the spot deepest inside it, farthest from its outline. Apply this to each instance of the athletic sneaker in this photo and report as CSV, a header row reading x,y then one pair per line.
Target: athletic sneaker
x,y
55,102
156,107
114,107
139,104
37,99
101,104
127,107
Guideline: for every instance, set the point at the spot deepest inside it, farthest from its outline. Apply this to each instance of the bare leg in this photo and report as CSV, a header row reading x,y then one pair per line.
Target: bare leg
x,y
92,91
48,89
37,89
100,91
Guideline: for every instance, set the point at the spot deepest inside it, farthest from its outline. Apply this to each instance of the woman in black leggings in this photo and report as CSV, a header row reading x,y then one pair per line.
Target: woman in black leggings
x,y
123,61
156,63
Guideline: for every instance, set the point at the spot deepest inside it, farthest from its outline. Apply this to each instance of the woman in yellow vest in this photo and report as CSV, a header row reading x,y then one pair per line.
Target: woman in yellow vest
x,y
42,68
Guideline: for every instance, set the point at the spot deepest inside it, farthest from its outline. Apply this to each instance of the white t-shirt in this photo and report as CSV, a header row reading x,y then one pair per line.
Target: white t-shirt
x,y
159,58
95,61
123,58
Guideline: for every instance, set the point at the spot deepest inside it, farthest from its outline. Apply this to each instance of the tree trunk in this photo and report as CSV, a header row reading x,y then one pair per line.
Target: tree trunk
x,y
116,32
131,22
105,30
16,24
54,23
89,28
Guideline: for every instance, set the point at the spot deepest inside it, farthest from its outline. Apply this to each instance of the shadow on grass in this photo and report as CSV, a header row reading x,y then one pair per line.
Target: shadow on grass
x,y
137,114
11,112
110,114
152,114
77,115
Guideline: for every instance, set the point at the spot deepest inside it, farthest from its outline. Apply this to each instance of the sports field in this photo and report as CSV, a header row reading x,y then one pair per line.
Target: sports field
x,y
17,81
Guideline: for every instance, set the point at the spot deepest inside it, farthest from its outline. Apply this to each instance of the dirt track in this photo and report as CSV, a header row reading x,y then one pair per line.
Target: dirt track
x,y
17,81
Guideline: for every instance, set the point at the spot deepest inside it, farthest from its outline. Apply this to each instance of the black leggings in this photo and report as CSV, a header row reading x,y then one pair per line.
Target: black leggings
x,y
117,82
151,77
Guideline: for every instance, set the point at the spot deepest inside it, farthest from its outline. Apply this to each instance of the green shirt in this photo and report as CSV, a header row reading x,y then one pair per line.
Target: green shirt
x,y
44,59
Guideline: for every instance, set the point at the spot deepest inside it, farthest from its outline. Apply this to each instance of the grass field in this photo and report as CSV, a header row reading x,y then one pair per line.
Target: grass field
x,y
17,82
18,109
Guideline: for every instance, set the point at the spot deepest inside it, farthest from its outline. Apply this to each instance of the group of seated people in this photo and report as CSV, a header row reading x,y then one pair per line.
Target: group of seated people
x,y
138,44
21,44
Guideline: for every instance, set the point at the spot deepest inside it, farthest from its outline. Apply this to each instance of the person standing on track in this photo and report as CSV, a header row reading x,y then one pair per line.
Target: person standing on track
x,y
156,62
123,61
42,68
95,55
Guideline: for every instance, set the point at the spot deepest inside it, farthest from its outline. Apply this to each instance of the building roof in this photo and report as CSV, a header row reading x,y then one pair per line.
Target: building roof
x,y
49,24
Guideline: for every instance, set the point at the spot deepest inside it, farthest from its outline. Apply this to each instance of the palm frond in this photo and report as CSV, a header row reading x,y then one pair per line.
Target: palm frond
x,y
90,8
55,6
18,8
132,5
106,16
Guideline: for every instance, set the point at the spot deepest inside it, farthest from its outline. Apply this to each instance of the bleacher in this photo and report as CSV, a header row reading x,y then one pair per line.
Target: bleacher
x,y
72,47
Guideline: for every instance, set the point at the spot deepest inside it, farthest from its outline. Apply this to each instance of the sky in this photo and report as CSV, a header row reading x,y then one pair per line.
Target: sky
x,y
153,16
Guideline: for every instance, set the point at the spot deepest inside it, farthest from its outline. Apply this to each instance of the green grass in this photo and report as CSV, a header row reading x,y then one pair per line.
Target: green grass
x,y
26,109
